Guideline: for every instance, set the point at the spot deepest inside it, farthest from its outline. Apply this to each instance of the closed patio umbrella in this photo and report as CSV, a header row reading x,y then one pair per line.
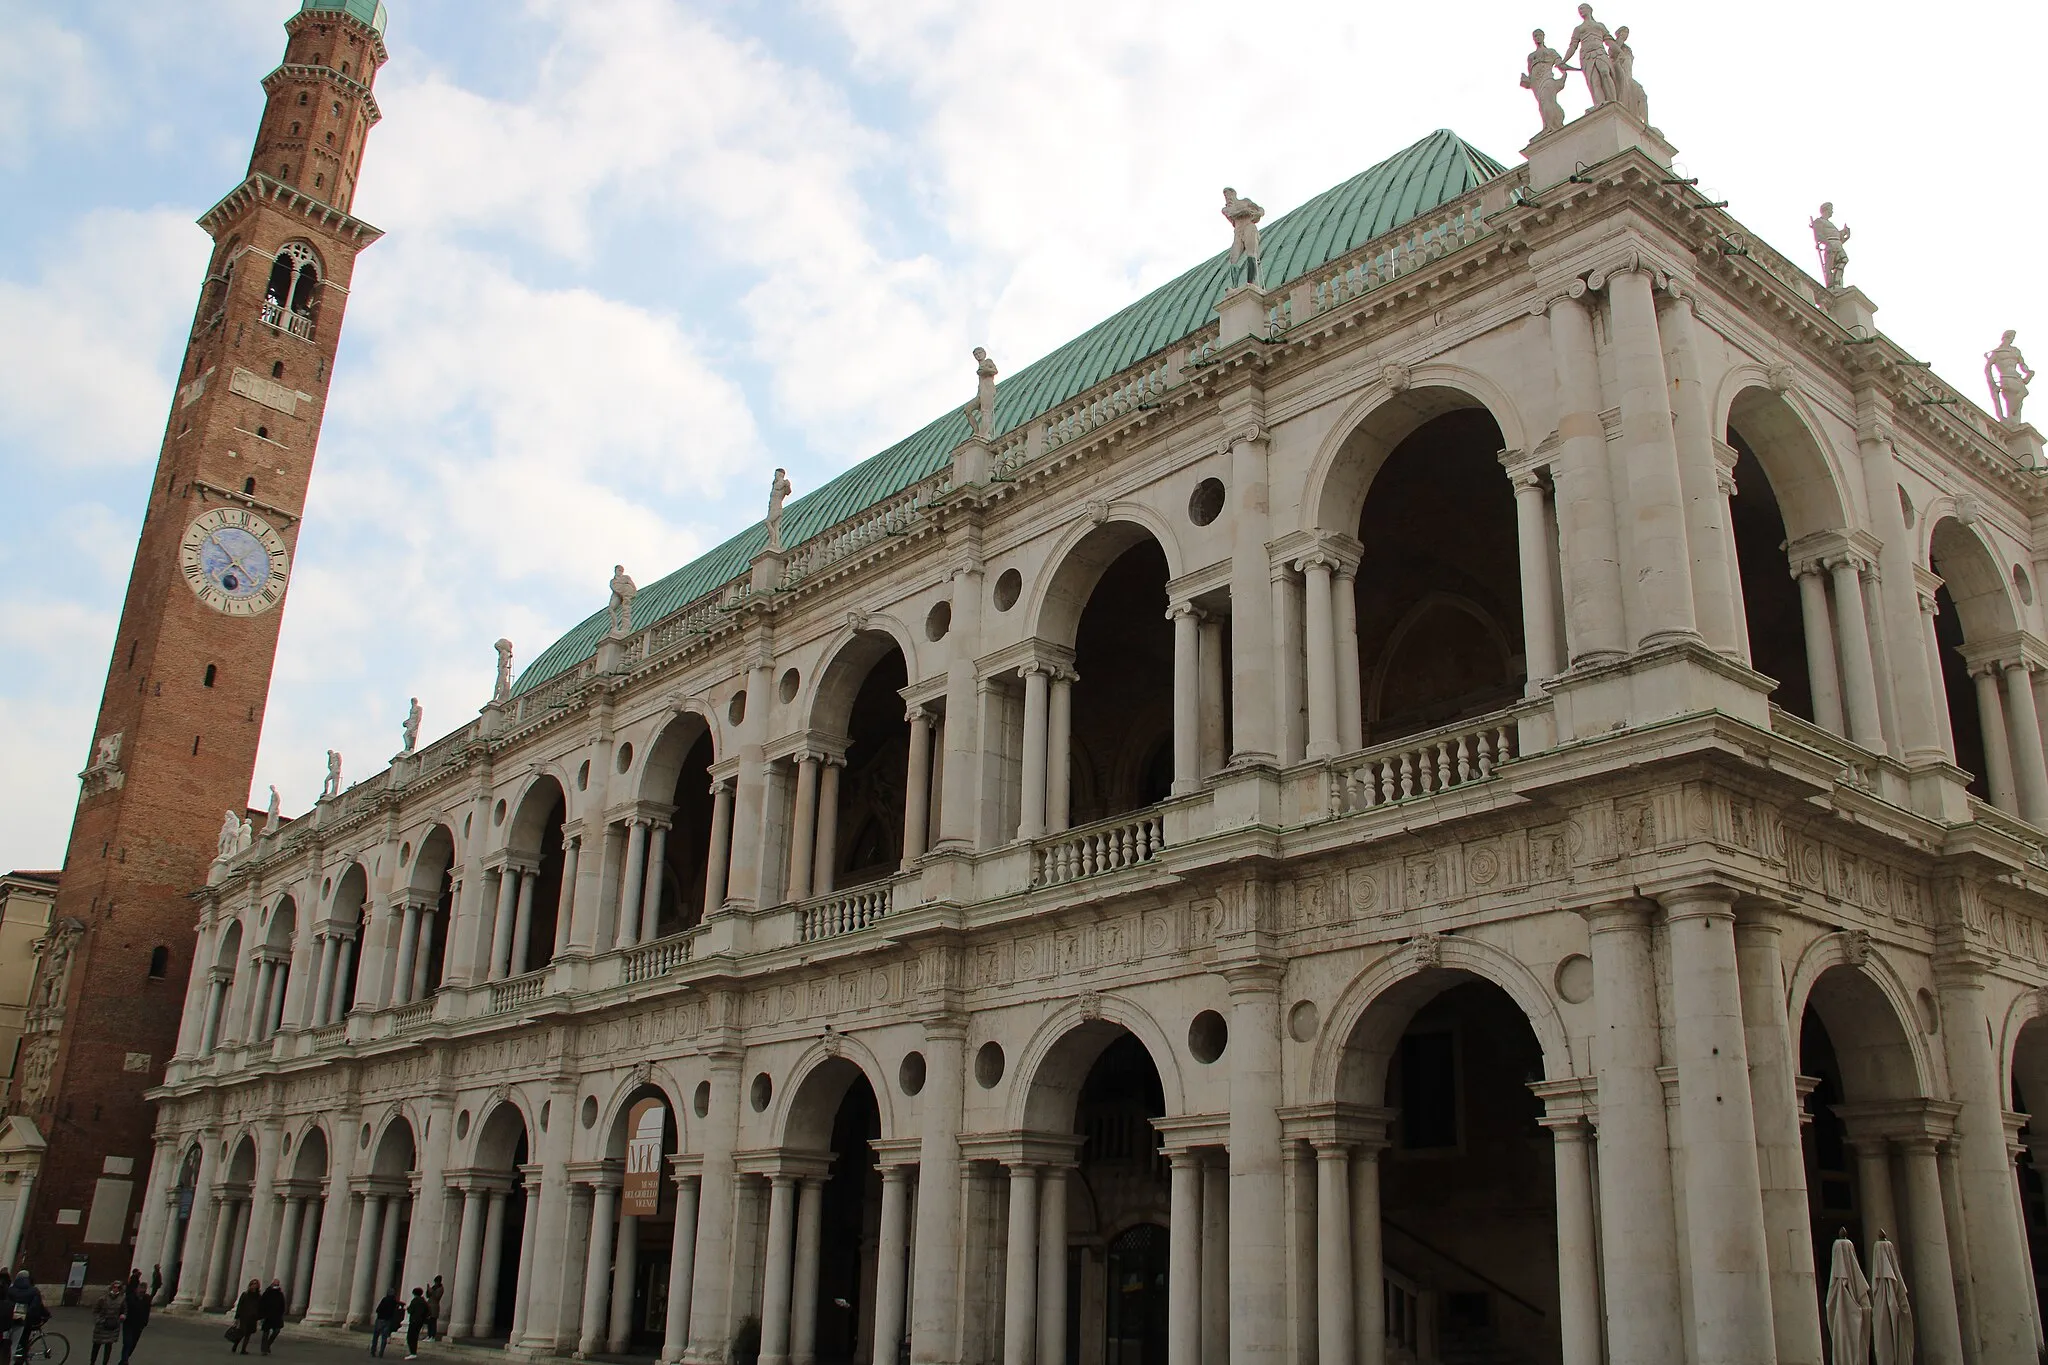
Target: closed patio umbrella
x,y
1848,1306
1891,1313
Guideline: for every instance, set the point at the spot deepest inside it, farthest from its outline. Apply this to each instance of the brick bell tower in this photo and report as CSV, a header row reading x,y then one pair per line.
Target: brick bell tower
x,y
175,743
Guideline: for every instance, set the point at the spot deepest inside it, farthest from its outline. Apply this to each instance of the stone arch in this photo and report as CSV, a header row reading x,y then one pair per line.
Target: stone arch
x,y
499,1127
283,923
1859,996
661,763
1437,601
1054,1062
636,1083
817,1084
1078,559
351,892
845,664
311,1139
240,1166
394,1146
1378,420
229,954
2025,1075
1969,567
530,811
1798,462
1387,993
431,860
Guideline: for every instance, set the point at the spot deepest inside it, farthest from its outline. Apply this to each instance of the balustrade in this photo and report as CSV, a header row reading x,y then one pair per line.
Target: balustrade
x,y
1421,765
329,1035
844,911
1103,847
898,517
650,961
517,992
1393,255
1104,405
1858,764
412,1016
299,325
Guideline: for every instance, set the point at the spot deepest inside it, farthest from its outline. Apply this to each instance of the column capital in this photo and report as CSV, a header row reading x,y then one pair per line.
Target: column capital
x,y
1607,916
1707,900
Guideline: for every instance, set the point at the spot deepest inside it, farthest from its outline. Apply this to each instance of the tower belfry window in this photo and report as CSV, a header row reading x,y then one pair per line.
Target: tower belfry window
x,y
294,280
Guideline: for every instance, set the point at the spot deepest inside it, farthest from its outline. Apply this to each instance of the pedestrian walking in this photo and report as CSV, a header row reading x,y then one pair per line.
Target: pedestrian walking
x,y
435,1291
385,1321
106,1322
135,1314
26,1301
416,1314
272,1305
248,1317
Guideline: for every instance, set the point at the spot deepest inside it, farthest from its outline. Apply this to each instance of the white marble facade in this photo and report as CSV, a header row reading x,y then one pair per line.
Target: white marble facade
x,y
1558,1023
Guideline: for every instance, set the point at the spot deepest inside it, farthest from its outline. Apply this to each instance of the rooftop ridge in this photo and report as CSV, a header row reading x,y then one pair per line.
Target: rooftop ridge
x,y
1421,177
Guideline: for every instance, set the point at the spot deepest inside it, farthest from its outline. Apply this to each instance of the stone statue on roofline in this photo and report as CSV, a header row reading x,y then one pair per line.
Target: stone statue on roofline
x,y
332,786
1243,216
501,690
1628,91
621,604
981,412
1544,80
272,814
245,834
1589,41
409,732
2008,374
230,832
1832,243
778,490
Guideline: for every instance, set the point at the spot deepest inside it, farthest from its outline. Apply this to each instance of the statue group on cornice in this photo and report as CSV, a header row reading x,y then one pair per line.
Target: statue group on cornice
x,y
1606,61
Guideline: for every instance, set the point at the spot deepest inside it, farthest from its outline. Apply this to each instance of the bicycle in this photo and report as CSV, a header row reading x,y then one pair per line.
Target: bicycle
x,y
44,1348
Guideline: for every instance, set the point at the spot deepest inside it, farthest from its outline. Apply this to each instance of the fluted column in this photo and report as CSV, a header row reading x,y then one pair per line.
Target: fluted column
x,y
468,1249
1319,630
1998,774
1821,679
1187,689
1539,577
2029,772
1649,454
1859,674
408,947
682,1265
628,929
825,865
1020,1268
501,922
775,1279
891,1277
803,1285
650,896
1638,1234
803,838
1730,1263
597,1266
1335,1305
917,793
1184,1261
1052,1267
718,859
1594,619
1059,744
1031,822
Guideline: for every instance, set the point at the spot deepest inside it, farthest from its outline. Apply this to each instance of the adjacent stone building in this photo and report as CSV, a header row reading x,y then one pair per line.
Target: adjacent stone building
x,y
1475,798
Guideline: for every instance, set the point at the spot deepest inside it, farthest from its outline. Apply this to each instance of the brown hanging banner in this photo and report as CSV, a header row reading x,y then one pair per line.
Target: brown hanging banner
x,y
644,1125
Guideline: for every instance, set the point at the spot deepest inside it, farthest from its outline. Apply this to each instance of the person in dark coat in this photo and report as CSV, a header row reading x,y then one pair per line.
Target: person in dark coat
x,y
385,1321
272,1304
435,1293
248,1316
107,1312
26,1301
156,1281
416,1315
135,1316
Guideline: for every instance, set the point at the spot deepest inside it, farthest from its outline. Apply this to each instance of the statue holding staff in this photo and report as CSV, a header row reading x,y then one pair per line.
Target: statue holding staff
x,y
2008,374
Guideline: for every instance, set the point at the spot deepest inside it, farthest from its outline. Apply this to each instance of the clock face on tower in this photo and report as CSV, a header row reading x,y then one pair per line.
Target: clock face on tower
x,y
234,562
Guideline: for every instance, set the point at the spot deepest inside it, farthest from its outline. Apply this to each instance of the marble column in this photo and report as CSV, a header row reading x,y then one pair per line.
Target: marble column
x,y
468,1250
1594,615
1578,1249
1187,698
597,1266
423,952
1211,667
1258,1247
718,857
682,1265
1873,1187
1344,649
216,997
625,1277
565,901
323,984
650,896
1319,630
775,1278
1781,1158
891,1278
1730,1262
331,1282
1649,454
935,1286
1821,679
1290,732
1709,538
917,791
1020,1268
546,1301
1052,1267
1369,1317
408,946
1215,1300
1059,744
1539,577
1924,1240
522,923
1638,1233
825,862
711,1284
310,1224
627,931
2029,772
563,1217
1031,823
1252,634
285,1254
364,1293
344,989
751,870
397,1211
501,922
803,836
1336,1325
803,1285
1998,771
1184,1261
491,1266
1859,673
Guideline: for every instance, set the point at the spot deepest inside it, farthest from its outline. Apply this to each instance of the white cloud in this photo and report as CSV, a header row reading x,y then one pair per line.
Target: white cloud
x,y
50,82
58,651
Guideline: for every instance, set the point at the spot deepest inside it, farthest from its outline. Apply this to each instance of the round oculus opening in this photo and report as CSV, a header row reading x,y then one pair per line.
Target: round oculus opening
x,y
988,1065
547,1110
786,688
405,853
1574,979
910,1075
736,709
938,621
498,812
583,777
1208,1036
700,1099
1009,586
366,1137
1205,504
462,1124
1906,508
590,1111
761,1092
625,756
1303,1020
2023,585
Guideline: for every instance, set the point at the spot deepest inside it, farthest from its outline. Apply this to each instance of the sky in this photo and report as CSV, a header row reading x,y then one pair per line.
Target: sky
x,y
640,252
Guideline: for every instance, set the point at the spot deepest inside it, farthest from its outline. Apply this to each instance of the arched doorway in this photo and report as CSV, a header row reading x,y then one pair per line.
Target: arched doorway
x,y
679,774
1465,1185
492,1236
420,946
2030,1097
523,935
834,1119
275,970
305,1209
342,948
385,1229
1972,613
231,1225
181,1215
847,825
635,1242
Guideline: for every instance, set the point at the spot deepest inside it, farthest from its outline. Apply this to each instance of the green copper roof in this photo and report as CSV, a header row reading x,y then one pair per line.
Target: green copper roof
x,y
1434,171
370,12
